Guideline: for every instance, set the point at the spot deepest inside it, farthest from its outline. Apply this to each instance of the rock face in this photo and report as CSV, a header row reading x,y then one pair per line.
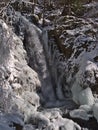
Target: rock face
x,y
17,79
16,76
44,73
74,54
77,55
25,80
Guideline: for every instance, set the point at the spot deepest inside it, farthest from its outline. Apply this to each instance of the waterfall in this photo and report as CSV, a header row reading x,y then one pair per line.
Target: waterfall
x,y
39,54
36,44
44,58
55,63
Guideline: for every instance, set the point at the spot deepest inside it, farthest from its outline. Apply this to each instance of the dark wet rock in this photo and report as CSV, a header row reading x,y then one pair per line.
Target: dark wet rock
x,y
23,6
91,10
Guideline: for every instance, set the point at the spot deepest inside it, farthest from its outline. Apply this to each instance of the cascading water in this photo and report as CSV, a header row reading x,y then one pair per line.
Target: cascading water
x,y
40,59
37,59
56,65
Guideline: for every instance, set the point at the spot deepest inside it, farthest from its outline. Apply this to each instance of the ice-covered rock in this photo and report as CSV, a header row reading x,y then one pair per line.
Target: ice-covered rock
x,y
82,96
86,108
86,78
65,124
76,61
86,97
75,92
80,114
16,75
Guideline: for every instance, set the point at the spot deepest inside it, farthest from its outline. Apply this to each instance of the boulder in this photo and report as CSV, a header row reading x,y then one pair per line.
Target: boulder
x,y
80,114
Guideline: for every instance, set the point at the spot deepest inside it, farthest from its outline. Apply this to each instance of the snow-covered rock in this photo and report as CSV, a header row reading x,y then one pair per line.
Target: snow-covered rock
x,y
76,62
86,97
82,96
80,114
16,75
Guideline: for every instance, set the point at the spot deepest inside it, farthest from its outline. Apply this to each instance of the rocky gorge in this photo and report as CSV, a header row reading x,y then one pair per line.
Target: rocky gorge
x,y
48,68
